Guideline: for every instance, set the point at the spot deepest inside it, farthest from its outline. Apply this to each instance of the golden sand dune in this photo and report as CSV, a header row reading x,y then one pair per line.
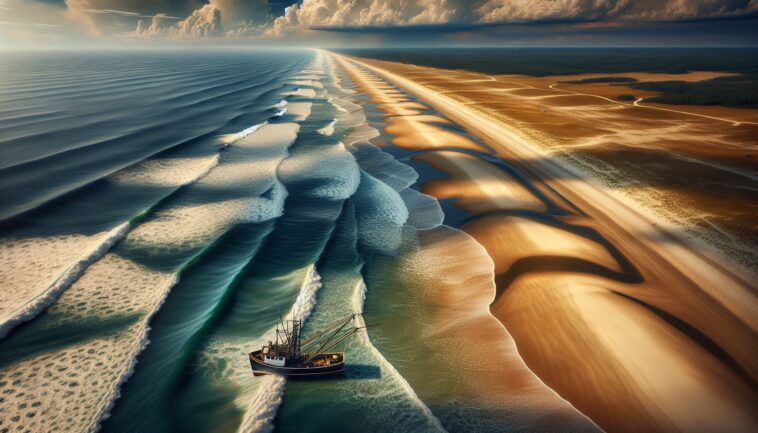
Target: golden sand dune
x,y
479,186
623,363
629,321
451,277
419,132
402,108
693,166
509,239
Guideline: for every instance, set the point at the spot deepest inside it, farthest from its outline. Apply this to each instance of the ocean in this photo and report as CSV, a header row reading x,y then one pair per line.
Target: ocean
x,y
159,211
162,209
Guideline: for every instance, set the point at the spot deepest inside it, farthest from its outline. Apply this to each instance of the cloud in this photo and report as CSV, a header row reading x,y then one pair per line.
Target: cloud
x,y
158,24
465,15
674,10
244,18
243,12
106,18
624,10
202,23
526,10
362,13
325,20
29,23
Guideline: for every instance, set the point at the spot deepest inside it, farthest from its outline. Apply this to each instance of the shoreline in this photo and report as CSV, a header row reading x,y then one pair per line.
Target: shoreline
x,y
515,392
676,278
690,173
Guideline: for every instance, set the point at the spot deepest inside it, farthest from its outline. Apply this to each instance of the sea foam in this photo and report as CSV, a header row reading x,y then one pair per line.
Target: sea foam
x,y
328,130
424,210
384,166
31,262
123,294
358,300
380,213
37,304
231,138
261,410
332,170
300,111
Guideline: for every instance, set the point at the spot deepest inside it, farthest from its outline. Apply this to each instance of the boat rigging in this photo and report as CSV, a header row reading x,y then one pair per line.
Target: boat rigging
x,y
290,355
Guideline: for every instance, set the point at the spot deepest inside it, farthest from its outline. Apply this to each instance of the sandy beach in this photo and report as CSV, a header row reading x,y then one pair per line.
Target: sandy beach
x,y
637,326
693,167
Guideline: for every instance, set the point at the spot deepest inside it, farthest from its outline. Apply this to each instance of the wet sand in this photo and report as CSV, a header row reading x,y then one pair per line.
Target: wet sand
x,y
694,167
631,323
451,276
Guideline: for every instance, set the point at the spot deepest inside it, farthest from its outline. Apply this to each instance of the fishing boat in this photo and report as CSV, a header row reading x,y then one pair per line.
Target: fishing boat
x,y
290,355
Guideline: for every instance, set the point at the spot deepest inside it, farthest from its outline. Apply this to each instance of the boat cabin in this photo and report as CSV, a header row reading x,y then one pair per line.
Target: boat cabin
x,y
292,356
277,361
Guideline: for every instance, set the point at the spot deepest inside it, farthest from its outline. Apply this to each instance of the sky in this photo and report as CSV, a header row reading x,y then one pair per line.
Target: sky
x,y
377,23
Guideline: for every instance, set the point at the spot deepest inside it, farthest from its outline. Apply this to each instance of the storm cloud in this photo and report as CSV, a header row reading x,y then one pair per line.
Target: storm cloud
x,y
311,20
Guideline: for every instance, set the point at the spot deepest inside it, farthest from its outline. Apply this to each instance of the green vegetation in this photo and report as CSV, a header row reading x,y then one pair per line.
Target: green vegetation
x,y
603,80
626,97
737,91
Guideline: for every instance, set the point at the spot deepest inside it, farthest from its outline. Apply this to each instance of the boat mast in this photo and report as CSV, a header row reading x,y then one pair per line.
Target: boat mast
x,y
296,325
276,340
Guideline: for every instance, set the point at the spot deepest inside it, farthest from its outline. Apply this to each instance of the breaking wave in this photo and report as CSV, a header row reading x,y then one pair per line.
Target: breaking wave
x,y
359,298
110,400
264,404
332,170
424,211
380,213
142,173
263,167
328,130
231,138
36,305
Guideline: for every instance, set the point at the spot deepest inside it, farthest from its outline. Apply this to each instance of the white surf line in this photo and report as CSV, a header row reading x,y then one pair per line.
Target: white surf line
x,y
109,400
328,130
262,408
359,298
484,253
261,411
229,139
153,290
39,303
637,103
281,109
36,305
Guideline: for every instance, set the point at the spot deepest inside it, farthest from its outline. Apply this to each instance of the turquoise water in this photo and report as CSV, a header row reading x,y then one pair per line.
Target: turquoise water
x,y
162,209
216,191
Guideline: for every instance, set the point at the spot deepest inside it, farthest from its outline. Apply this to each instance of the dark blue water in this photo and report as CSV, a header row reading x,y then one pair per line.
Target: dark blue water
x,y
195,232
69,119
161,210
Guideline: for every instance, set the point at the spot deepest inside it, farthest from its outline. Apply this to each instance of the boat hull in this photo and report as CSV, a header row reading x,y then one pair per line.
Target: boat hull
x,y
260,368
